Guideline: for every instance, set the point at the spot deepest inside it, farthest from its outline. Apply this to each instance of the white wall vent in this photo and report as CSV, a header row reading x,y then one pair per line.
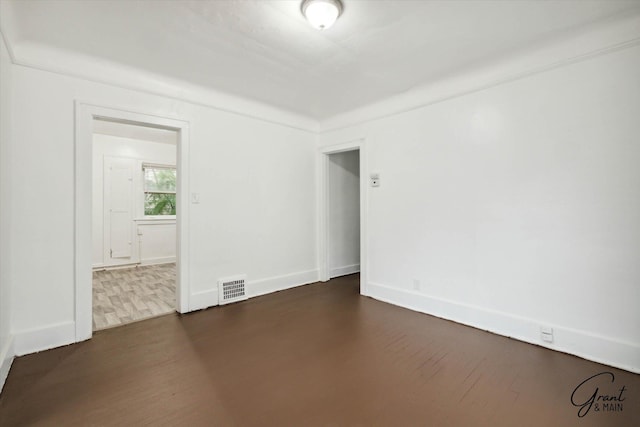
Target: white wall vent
x,y
232,289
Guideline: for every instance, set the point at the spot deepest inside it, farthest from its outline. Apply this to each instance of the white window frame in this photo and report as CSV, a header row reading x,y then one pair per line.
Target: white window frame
x,y
149,165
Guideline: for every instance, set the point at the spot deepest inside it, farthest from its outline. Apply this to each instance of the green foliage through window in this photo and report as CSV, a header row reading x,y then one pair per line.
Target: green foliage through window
x,y
159,204
159,190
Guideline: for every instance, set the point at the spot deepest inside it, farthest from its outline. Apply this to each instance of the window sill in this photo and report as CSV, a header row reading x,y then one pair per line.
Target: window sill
x,y
167,218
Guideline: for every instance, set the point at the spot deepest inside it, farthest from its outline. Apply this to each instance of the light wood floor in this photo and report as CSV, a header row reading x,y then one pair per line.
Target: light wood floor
x,y
127,295
317,355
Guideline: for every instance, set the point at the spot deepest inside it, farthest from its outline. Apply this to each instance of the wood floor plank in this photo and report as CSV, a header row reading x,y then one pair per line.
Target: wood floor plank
x,y
316,355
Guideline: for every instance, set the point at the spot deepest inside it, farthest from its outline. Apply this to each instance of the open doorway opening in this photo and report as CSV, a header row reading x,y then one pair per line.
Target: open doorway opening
x,y
342,216
86,115
134,211
344,213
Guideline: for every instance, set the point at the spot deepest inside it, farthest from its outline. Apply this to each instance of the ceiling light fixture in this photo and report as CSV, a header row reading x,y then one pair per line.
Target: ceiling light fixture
x,y
321,13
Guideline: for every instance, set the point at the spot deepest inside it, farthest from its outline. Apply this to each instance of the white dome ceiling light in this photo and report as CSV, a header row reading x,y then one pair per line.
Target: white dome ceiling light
x,y
321,13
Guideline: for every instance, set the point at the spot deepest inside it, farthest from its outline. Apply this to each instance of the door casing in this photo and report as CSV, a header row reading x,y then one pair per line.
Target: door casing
x,y
323,203
86,113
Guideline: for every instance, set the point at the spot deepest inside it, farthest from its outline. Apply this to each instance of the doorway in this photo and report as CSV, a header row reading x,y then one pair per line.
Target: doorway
x,y
344,213
133,222
87,116
342,217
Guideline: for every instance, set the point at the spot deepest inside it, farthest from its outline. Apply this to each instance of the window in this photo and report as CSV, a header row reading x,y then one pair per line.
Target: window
x,y
159,190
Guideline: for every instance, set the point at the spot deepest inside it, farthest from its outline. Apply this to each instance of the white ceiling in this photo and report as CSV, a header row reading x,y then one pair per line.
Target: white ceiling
x,y
265,51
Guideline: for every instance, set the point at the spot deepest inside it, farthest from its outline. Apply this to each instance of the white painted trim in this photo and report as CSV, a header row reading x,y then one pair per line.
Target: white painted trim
x,y
5,39
101,71
605,350
159,260
6,359
34,340
182,220
601,39
595,40
4,371
209,298
85,113
155,220
344,270
280,283
203,299
113,267
322,165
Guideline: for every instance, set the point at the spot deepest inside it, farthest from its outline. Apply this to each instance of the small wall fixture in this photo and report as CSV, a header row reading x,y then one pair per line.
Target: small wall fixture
x,y
321,13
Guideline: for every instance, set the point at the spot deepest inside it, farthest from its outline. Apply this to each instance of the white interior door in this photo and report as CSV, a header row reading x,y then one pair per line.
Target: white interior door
x,y
118,205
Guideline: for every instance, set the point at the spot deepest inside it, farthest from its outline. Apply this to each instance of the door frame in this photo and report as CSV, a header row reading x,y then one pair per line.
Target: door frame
x,y
85,113
324,234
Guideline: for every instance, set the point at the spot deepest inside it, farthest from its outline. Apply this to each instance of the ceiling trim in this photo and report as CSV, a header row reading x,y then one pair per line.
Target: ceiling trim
x,y
597,40
45,58
600,40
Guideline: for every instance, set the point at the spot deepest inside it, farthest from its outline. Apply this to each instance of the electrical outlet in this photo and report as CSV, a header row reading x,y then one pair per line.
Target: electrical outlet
x,y
546,333
416,284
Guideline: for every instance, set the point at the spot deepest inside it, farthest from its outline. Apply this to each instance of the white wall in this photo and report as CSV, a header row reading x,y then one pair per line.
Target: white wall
x,y
156,241
6,79
256,213
140,151
344,213
516,206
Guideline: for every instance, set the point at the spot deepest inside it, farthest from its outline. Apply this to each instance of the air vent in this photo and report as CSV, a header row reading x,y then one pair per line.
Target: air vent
x,y
232,289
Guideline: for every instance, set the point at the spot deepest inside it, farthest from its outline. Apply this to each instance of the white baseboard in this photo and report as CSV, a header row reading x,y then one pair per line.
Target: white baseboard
x,y
154,261
345,270
148,261
209,298
204,299
280,283
114,267
34,340
608,351
6,359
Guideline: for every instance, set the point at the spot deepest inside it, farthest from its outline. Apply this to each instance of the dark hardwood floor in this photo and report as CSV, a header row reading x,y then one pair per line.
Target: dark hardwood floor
x,y
318,355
